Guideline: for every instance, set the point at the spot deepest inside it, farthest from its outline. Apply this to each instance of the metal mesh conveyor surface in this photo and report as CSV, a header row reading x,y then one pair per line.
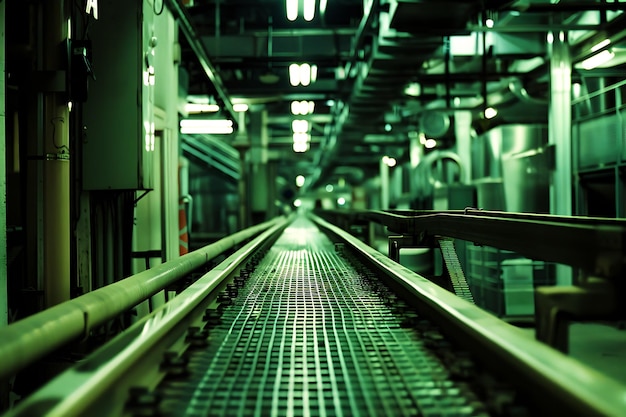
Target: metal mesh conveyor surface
x,y
312,334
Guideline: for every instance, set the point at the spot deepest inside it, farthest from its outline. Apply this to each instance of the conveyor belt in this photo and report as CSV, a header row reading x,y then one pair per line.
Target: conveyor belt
x,y
311,334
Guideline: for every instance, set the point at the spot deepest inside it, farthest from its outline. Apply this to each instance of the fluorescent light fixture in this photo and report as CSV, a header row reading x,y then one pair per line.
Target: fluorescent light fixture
x,y
305,74
206,126
300,126
323,4
301,137
195,108
294,74
490,113
598,59
240,107
309,10
302,107
300,147
292,9
600,45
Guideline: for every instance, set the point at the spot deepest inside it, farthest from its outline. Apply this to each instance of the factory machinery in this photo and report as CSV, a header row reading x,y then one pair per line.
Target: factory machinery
x,y
299,316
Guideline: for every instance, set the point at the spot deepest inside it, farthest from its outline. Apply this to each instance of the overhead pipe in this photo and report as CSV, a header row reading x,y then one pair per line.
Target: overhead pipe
x,y
201,53
36,336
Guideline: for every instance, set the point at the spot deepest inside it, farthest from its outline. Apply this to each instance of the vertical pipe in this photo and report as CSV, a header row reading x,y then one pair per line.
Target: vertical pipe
x,y
56,166
384,185
462,131
4,307
560,134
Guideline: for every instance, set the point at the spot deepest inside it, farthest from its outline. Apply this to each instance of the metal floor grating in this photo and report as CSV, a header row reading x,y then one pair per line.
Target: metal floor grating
x,y
310,335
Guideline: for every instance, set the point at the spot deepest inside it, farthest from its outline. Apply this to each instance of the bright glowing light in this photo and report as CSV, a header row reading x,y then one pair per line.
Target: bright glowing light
x,y
297,202
300,126
240,107
329,188
300,147
305,74
302,107
292,9
301,137
341,201
300,180
490,113
195,108
430,143
600,45
489,23
413,90
309,10
206,126
294,74
323,6
389,161
598,59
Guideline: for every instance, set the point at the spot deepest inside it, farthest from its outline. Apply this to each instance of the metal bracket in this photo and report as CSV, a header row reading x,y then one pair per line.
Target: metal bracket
x,y
398,242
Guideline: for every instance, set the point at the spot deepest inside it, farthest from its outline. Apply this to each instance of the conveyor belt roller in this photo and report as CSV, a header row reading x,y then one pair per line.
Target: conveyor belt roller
x,y
310,334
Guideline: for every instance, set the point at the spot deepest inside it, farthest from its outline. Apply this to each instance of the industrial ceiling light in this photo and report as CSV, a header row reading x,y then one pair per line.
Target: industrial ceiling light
x,y
430,143
300,180
196,108
240,107
294,74
302,107
309,10
305,74
206,126
600,45
302,74
389,161
292,9
598,59
490,113
300,126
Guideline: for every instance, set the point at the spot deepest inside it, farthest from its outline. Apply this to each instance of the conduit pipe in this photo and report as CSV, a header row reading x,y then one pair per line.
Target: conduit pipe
x,y
34,337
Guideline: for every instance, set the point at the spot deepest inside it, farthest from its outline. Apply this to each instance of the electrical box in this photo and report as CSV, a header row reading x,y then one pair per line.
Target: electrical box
x,y
118,140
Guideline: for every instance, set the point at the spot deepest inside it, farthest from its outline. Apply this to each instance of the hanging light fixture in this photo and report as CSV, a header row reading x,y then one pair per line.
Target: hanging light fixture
x,y
302,74
292,9
309,10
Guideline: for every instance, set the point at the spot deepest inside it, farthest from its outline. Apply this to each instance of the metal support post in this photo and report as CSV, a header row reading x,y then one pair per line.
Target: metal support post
x,y
560,134
56,159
